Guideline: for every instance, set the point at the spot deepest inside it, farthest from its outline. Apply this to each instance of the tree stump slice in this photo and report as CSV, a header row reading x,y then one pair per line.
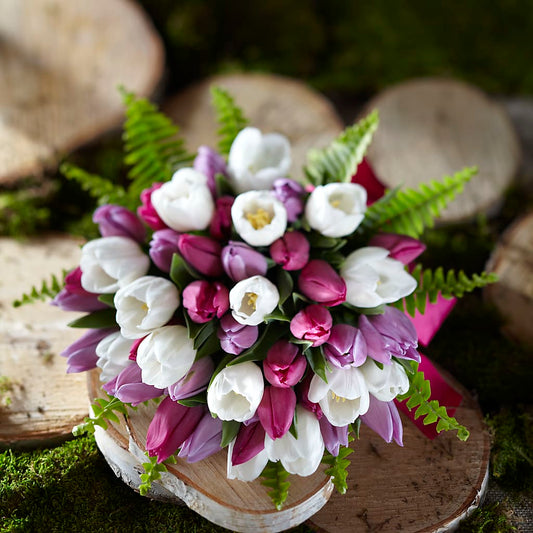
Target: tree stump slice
x,y
60,66
45,402
271,103
512,260
430,128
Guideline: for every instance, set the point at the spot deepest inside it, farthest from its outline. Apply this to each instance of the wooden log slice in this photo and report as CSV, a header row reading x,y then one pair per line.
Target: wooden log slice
x,y
512,260
61,63
271,103
45,402
435,127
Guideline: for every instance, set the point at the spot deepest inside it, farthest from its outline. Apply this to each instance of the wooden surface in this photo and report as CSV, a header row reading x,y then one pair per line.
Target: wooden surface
x,y
61,62
433,127
271,103
45,402
512,260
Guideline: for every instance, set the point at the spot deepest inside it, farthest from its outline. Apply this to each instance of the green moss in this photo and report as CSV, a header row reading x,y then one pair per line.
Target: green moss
x,y
490,519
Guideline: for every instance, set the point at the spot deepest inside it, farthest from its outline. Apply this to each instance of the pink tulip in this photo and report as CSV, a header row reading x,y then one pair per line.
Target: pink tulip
x,y
220,227
235,337
365,177
81,354
320,282
134,348
205,301
334,437
249,442
346,346
163,246
209,163
240,261
170,427
290,193
147,211
313,323
290,251
115,220
202,253
284,364
384,419
401,247
276,410
302,391
204,440
194,382
129,388
73,297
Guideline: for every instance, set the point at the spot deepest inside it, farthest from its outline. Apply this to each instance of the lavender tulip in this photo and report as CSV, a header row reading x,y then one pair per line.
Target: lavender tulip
x,y
117,220
375,343
346,346
290,193
384,419
334,437
241,262
163,246
205,301
81,354
147,211
320,282
129,388
194,382
236,337
202,253
276,410
73,297
204,440
210,163
313,323
284,364
401,247
291,251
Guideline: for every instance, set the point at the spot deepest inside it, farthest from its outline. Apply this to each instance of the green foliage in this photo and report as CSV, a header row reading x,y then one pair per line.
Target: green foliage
x,y
272,332
338,468
22,213
489,519
104,318
275,477
409,211
418,396
229,116
338,161
103,410
431,283
6,386
49,289
230,428
152,472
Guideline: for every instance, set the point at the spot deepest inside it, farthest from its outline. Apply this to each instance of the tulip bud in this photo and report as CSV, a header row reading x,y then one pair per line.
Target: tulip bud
x,y
204,441
276,410
384,419
241,262
319,282
147,211
290,193
163,246
313,323
73,297
81,354
249,442
284,364
290,251
220,227
376,346
346,346
129,388
334,437
209,163
113,355
205,301
202,253
236,337
117,220
194,382
401,247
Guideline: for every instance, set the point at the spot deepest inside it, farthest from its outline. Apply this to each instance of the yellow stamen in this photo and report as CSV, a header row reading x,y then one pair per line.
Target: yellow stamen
x,y
337,398
259,219
252,299
145,307
335,203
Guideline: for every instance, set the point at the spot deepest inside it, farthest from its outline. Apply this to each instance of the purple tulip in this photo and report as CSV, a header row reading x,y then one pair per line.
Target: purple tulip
x,y
220,227
346,346
81,354
147,211
241,262
375,343
202,253
290,251
170,427
249,442
163,246
194,382
313,323
210,163
129,388
276,410
115,220
401,247
334,437
290,193
235,337
284,364
384,419
303,396
320,282
73,297
204,440
205,301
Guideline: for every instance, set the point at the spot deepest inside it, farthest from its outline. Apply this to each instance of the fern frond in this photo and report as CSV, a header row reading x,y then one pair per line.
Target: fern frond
x,y
151,143
152,472
409,211
48,289
22,212
338,161
103,410
419,393
275,477
431,283
338,468
229,116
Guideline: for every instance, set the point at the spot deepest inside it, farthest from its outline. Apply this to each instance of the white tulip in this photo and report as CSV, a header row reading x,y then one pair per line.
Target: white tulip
x,y
145,305
336,209
249,470
165,356
236,392
386,383
303,455
113,354
252,299
343,398
255,160
110,263
185,203
372,278
258,217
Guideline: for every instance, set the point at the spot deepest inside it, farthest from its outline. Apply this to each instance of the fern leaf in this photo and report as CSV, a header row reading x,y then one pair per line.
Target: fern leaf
x,y
229,116
338,468
275,477
409,211
48,289
338,161
151,143
103,410
152,472
432,283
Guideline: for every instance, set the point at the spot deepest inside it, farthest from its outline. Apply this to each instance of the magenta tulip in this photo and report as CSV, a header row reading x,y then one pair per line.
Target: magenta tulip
x,y
81,354
204,300
345,346
129,388
194,382
249,442
290,251
290,193
73,297
163,246
334,437
384,419
147,212
276,410
202,253
204,441
210,163
302,391
240,261
401,247
320,282
235,337
313,323
115,220
284,364
220,227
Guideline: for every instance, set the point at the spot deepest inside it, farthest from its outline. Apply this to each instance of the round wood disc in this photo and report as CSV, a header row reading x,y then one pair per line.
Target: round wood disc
x,y
512,260
45,402
60,67
430,128
271,103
